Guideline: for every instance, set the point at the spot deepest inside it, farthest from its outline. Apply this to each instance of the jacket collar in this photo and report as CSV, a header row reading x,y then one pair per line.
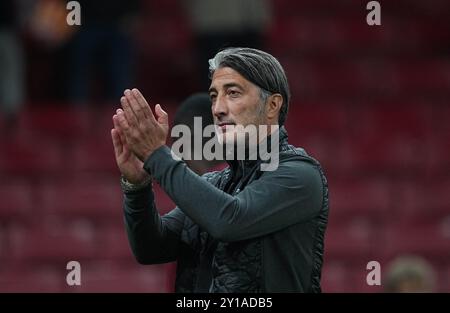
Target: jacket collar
x,y
241,165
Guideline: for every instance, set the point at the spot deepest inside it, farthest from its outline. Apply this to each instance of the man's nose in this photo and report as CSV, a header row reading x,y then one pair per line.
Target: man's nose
x,y
220,107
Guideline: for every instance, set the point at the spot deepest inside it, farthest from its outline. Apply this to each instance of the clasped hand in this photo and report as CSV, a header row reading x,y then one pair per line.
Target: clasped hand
x,y
137,133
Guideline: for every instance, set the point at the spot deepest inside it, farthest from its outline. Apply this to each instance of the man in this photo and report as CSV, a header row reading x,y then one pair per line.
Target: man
x,y
238,230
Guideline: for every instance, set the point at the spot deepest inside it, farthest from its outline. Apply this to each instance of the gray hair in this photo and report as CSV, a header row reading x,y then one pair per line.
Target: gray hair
x,y
258,67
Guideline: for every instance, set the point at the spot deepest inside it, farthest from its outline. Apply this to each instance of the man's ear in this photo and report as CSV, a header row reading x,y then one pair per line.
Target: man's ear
x,y
273,106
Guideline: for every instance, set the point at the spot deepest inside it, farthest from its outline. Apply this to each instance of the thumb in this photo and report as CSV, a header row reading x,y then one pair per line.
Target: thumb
x,y
163,118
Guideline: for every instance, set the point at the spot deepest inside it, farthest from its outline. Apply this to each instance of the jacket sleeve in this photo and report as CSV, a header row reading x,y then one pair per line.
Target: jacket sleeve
x,y
291,194
153,239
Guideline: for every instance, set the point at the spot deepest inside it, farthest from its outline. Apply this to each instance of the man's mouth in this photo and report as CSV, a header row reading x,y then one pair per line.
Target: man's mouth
x,y
223,125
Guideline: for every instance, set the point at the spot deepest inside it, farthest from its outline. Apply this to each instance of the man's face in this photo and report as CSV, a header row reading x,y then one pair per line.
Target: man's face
x,y
235,101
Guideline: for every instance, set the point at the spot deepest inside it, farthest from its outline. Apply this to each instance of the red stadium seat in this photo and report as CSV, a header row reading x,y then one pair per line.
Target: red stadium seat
x,y
388,140
421,201
338,276
115,244
94,154
358,198
109,277
335,277
16,200
430,240
35,279
438,162
427,76
351,241
52,243
89,197
55,123
31,157
308,119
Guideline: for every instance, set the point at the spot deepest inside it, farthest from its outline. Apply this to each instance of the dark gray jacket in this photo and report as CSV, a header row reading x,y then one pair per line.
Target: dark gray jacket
x,y
238,230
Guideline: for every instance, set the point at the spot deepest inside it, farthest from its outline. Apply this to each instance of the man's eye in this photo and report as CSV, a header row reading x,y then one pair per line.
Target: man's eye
x,y
213,97
233,93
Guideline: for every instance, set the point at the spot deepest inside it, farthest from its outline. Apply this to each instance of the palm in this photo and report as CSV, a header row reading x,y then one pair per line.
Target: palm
x,y
129,160
129,165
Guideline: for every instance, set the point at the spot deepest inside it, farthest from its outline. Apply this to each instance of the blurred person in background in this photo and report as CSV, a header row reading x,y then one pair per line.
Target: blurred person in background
x,y
103,49
12,63
197,105
410,274
48,22
218,24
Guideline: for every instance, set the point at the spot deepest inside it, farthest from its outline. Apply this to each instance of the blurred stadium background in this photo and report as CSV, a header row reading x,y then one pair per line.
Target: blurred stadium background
x,y
371,103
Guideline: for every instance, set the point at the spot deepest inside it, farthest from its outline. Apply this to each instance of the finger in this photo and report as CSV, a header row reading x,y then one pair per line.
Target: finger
x,y
127,110
124,125
118,147
163,117
119,129
144,108
116,117
116,121
134,105
117,125
129,114
144,104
